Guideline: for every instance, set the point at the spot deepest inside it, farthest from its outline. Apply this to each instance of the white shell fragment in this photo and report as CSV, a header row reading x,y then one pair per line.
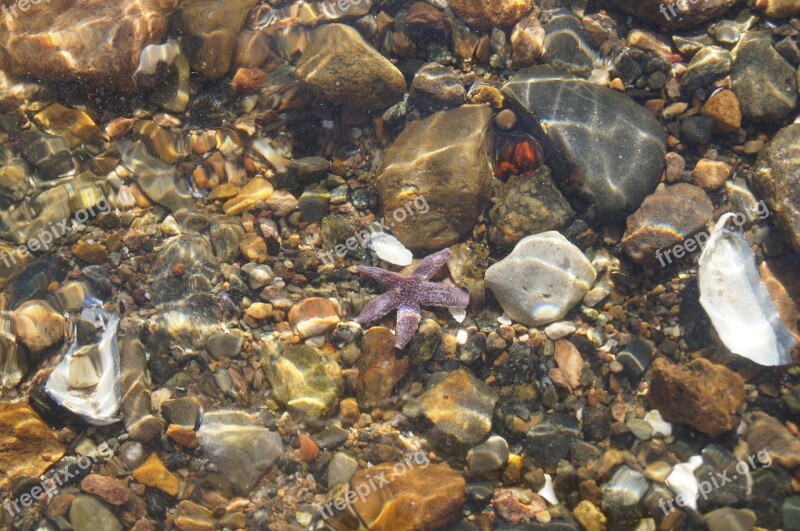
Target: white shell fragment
x,y
548,492
660,426
87,380
459,314
737,302
389,248
683,482
543,278
153,54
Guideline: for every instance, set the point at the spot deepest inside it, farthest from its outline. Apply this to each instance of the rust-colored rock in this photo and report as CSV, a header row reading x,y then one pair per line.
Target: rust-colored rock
x,y
111,490
27,445
723,108
705,396
488,14
314,316
96,41
418,496
379,370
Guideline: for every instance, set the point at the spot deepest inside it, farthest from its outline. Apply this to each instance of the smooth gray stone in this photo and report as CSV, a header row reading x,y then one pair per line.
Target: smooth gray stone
x,y
602,144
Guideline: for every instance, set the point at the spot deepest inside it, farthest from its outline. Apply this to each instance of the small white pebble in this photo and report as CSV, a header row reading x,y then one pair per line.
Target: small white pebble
x,y
660,426
560,330
504,319
461,337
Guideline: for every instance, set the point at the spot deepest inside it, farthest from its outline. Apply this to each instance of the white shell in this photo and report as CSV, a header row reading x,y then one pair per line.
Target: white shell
x,y
542,279
733,296
389,248
70,382
683,482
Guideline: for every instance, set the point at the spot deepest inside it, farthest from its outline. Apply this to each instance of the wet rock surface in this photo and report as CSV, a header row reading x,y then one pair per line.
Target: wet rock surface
x,y
444,160
44,40
664,220
777,179
701,394
341,67
588,129
424,497
29,446
199,186
542,279
676,14
527,204
764,82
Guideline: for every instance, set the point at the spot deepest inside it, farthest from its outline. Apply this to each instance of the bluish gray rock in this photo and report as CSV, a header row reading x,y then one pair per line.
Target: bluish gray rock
x,y
601,144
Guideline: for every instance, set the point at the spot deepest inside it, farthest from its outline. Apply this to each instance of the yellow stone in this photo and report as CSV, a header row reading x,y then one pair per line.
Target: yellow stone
x,y
223,192
73,125
27,445
183,435
154,474
589,516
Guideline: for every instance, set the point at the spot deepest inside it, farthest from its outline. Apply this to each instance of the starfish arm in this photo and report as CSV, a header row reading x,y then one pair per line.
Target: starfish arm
x,y
432,263
387,279
432,294
408,317
378,307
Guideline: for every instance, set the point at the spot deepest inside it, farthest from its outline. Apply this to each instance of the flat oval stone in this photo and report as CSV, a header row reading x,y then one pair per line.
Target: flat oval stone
x,y
419,494
305,380
460,407
604,146
542,279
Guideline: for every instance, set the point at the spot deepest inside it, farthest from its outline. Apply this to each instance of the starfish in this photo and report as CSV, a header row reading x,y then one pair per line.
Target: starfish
x,y
407,293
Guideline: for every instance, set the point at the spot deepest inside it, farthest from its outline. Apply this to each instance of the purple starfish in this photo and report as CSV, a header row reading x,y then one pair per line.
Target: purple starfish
x,y
407,294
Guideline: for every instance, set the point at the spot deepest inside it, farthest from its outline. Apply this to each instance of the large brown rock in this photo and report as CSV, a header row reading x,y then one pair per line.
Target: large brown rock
x,y
419,495
379,370
27,445
339,66
488,14
664,220
777,178
686,13
701,394
96,41
212,28
441,161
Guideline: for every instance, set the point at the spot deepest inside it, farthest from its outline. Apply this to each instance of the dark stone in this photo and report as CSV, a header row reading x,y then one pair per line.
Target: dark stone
x,y
156,504
519,367
436,87
596,422
527,204
764,83
621,436
548,442
697,130
586,130
636,357
707,65
307,170
564,45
